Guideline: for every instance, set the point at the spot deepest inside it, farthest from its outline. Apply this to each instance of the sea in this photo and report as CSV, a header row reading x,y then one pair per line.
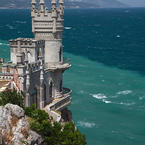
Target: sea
x,y
106,48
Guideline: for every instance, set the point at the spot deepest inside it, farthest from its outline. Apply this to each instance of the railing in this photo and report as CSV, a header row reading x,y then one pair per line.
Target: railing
x,y
58,65
61,103
66,91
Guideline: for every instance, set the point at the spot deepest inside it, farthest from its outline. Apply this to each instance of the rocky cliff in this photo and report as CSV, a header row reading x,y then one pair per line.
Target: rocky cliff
x,y
14,128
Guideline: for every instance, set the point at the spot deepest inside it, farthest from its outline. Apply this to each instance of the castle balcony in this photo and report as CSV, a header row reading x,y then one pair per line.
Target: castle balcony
x,y
58,104
58,66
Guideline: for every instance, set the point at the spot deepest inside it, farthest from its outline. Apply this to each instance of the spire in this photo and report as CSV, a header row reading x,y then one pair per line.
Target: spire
x,y
33,4
41,1
61,2
53,2
61,7
42,7
54,13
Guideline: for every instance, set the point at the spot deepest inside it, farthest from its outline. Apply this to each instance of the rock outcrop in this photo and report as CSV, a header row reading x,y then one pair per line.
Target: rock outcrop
x,y
14,127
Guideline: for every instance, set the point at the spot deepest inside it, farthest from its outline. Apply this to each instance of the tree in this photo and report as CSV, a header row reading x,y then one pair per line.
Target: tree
x,y
13,97
54,133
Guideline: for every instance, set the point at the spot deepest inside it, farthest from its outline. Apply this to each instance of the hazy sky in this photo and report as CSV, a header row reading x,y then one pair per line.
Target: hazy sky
x,y
137,3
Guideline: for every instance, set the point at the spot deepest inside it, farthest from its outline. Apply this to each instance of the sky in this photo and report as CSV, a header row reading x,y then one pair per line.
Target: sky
x,y
134,3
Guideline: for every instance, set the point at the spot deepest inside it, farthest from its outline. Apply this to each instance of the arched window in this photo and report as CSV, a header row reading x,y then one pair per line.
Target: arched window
x,y
29,56
60,54
33,96
45,98
50,90
60,86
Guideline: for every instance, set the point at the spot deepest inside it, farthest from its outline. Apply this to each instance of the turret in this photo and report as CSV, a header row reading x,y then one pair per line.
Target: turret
x,y
61,7
19,53
54,15
42,6
33,4
53,2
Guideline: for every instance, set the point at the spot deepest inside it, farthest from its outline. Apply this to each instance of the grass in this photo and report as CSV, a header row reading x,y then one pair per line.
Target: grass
x,y
1,68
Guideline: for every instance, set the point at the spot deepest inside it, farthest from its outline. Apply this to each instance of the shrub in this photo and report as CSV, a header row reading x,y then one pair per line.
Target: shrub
x,y
54,134
13,97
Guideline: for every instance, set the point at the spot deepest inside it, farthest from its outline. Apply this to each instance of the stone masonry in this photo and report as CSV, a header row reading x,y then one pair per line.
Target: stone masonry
x,y
36,65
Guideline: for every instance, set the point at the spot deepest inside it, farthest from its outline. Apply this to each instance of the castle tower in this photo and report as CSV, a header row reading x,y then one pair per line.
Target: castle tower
x,y
48,25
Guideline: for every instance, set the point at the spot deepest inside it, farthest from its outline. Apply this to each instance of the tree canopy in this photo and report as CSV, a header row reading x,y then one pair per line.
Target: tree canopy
x,y
12,97
54,133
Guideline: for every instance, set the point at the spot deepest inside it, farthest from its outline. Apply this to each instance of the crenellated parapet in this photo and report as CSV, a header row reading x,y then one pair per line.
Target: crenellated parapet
x,y
47,24
26,43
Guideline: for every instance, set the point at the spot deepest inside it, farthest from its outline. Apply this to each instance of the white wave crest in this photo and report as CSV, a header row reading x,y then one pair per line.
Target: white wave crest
x,y
141,98
126,92
4,44
21,22
10,27
86,124
107,102
101,97
67,28
127,104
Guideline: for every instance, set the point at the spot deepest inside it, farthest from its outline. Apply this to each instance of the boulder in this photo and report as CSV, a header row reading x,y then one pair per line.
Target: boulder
x,y
14,127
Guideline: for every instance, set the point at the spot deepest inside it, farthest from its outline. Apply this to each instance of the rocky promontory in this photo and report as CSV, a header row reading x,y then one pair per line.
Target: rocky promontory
x,y
14,127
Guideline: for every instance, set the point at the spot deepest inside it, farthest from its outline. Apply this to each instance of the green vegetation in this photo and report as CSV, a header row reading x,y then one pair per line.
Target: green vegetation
x,y
54,133
13,97
0,68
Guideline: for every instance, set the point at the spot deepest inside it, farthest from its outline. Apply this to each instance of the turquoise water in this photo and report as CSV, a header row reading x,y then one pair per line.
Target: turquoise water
x,y
107,51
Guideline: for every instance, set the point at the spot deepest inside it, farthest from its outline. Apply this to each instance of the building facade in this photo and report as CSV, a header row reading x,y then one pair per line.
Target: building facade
x,y
37,65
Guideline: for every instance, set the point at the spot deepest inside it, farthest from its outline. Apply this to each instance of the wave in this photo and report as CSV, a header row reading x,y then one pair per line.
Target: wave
x,y
126,104
126,92
86,124
141,98
82,92
67,28
107,102
10,27
4,44
101,97
21,22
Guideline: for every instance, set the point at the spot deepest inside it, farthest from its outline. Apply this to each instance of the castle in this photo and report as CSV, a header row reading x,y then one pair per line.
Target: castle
x,y
37,65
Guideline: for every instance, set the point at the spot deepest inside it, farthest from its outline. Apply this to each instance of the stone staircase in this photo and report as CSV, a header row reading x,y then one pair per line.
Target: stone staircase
x,y
58,94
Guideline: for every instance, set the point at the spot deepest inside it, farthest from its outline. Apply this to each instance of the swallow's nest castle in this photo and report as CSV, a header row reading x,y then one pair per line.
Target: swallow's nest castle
x,y
37,65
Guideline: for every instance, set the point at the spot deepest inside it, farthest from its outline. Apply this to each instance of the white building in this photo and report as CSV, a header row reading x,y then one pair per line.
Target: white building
x,y
37,65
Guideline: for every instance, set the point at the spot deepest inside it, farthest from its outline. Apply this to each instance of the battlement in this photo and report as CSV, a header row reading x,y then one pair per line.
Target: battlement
x,y
26,42
47,24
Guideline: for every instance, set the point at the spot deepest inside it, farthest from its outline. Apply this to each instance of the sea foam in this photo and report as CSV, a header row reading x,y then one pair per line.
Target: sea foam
x,y
10,27
86,124
21,22
126,92
4,44
67,28
101,97
127,104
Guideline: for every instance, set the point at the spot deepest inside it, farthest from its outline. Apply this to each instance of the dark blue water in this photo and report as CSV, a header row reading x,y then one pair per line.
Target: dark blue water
x,y
107,51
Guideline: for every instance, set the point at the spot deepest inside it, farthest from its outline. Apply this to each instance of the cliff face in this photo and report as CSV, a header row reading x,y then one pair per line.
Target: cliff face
x,y
14,127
